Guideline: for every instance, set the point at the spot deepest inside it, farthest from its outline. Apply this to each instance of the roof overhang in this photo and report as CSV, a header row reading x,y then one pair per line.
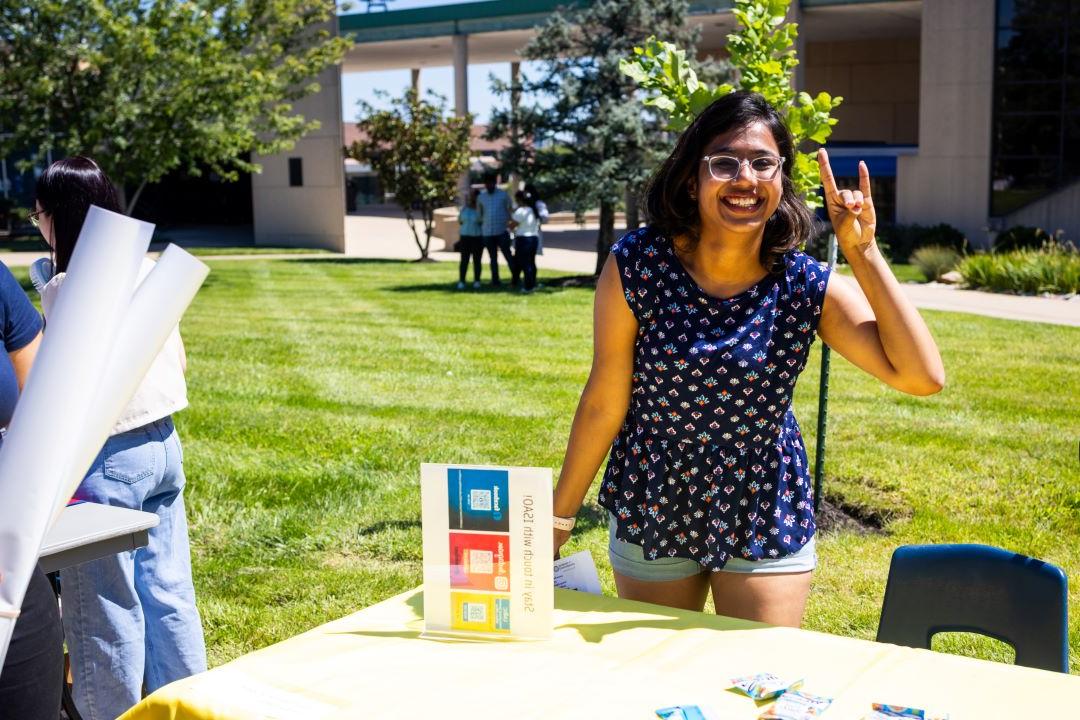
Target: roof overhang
x,y
497,30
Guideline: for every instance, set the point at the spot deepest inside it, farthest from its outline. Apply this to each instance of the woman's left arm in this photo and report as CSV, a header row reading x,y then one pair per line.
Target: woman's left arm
x,y
872,323
23,358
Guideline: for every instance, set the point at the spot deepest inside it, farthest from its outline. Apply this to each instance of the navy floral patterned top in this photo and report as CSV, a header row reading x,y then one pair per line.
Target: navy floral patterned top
x,y
710,463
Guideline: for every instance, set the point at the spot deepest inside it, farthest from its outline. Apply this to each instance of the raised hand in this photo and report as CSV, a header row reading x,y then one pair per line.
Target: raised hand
x,y
851,211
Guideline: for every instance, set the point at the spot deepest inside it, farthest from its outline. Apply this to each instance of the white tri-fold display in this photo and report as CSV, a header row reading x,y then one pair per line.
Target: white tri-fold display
x,y
487,551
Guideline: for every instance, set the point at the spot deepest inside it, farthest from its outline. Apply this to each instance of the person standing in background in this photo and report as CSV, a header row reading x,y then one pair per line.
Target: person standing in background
x,y
542,214
495,209
526,226
470,240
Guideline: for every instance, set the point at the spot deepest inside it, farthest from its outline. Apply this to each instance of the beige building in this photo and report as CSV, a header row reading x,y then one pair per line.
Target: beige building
x,y
967,111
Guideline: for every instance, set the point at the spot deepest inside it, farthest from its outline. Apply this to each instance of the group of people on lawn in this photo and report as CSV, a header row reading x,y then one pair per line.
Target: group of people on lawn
x,y
487,221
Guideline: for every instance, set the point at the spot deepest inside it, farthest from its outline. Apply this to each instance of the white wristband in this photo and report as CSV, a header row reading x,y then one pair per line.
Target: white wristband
x,y
563,523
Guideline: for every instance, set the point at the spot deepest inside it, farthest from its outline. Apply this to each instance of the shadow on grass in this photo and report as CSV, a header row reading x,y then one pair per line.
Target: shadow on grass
x,y
387,525
346,261
450,288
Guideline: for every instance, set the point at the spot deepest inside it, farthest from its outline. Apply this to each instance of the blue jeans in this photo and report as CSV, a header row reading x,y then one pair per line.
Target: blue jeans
x,y
130,619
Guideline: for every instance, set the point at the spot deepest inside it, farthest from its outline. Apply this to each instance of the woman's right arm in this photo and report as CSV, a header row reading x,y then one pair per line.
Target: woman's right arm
x,y
605,400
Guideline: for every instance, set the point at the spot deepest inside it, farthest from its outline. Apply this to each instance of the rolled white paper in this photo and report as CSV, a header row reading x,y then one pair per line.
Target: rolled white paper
x,y
42,452
156,308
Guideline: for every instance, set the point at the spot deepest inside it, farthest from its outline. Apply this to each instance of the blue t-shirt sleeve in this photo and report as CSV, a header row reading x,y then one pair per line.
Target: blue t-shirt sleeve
x,y
21,322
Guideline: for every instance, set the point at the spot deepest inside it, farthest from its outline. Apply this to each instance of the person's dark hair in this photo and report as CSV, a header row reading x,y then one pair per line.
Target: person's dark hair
x,y
65,191
524,197
673,212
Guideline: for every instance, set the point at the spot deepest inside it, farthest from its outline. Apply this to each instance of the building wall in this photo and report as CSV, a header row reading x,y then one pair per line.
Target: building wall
x,y
1058,211
879,81
312,215
948,180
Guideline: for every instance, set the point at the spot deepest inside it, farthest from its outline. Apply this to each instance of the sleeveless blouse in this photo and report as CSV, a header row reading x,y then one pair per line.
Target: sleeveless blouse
x,y
710,463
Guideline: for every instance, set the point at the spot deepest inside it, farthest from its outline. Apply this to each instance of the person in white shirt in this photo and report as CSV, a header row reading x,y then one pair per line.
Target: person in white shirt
x,y
525,223
130,619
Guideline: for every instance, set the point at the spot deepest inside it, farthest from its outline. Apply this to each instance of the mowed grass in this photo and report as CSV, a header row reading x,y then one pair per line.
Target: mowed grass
x,y
318,387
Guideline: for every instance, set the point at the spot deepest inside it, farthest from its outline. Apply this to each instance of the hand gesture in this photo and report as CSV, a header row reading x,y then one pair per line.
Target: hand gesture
x,y
851,211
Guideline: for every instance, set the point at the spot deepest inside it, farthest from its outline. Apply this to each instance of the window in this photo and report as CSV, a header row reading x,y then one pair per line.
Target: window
x,y
1036,124
296,172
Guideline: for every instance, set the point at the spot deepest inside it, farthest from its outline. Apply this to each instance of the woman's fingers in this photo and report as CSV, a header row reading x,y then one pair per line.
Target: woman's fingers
x,y
864,179
827,179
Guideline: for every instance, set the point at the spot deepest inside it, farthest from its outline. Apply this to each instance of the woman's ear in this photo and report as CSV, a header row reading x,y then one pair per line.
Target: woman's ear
x,y
691,188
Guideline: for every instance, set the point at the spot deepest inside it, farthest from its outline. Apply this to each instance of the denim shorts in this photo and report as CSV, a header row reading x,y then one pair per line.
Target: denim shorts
x,y
629,559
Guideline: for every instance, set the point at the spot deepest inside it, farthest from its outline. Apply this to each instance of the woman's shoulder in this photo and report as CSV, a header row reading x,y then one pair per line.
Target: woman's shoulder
x,y
798,263
642,241
807,276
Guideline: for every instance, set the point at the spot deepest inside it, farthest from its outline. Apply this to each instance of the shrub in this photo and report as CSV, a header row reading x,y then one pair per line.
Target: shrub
x,y
1020,238
934,261
903,240
1052,268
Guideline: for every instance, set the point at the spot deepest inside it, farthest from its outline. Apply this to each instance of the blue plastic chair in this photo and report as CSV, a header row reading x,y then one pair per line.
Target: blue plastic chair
x,y
976,588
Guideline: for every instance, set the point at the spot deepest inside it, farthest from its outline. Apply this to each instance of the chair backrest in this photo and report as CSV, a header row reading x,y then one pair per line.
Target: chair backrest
x,y
976,588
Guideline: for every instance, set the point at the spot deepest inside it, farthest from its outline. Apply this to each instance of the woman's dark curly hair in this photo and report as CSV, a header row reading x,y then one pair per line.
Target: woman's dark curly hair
x,y
674,213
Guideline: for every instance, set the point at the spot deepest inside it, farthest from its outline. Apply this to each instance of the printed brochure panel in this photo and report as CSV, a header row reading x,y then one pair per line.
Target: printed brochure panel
x,y
478,498
480,561
480,612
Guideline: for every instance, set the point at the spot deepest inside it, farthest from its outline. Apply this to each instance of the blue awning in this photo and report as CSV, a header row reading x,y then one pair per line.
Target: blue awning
x,y
880,159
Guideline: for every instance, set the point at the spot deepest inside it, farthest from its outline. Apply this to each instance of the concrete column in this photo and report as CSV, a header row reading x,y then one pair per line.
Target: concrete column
x,y
416,80
311,214
515,102
461,96
949,179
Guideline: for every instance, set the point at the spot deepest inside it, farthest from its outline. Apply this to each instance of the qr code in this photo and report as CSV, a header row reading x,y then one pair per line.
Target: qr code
x,y
474,612
481,562
480,500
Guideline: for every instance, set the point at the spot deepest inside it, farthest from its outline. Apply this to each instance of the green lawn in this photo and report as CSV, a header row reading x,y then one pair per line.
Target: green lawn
x,y
318,386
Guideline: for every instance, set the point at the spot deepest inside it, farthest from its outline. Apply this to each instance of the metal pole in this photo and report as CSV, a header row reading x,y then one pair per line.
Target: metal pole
x,y
823,400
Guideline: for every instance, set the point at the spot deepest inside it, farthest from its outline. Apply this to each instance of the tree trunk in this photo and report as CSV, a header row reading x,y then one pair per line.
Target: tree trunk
x,y
606,236
130,207
416,236
121,193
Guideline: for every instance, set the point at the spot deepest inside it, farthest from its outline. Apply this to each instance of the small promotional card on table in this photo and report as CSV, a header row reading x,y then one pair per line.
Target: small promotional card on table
x,y
487,551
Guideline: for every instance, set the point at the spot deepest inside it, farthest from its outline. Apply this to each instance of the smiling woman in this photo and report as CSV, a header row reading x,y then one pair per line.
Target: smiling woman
x,y
703,324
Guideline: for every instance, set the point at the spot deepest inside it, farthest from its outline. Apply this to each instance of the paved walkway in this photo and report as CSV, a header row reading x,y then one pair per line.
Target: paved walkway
x,y
385,235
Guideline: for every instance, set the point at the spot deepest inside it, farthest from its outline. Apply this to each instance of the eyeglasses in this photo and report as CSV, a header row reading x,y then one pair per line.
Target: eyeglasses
x,y
35,217
728,167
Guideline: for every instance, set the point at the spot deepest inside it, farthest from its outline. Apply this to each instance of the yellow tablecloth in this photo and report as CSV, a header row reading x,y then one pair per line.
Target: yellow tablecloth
x,y
608,658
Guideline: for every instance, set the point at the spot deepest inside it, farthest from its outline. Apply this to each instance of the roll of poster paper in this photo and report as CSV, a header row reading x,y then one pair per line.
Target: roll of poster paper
x,y
42,450
156,308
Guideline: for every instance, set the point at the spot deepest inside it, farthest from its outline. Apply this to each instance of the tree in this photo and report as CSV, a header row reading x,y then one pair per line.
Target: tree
x,y
586,137
150,86
761,50
418,152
